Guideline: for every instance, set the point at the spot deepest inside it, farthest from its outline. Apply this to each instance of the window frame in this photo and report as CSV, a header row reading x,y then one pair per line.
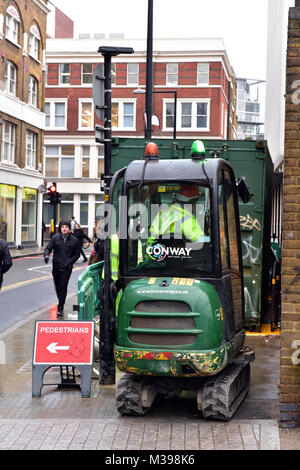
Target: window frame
x,y
31,93
169,73
121,104
34,46
11,142
131,74
88,74
202,73
193,127
64,74
59,156
16,29
31,149
9,66
52,114
82,101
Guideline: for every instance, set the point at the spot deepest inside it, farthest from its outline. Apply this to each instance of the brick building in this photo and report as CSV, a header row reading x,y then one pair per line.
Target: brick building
x,y
290,331
22,96
197,69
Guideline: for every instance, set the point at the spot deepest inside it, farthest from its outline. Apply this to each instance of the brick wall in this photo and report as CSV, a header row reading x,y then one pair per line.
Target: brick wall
x,y
187,77
30,15
64,26
290,332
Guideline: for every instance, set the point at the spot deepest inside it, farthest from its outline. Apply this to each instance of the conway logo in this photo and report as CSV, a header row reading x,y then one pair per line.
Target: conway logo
x,y
159,252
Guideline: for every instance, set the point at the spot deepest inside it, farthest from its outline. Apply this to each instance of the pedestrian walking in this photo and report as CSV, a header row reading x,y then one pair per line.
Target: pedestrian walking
x,y
66,251
73,222
5,259
80,235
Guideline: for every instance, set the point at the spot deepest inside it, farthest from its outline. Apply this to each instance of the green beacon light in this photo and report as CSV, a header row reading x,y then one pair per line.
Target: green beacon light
x,y
198,150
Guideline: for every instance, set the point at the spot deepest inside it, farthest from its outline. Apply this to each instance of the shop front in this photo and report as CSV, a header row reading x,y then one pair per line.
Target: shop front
x,y
8,213
29,215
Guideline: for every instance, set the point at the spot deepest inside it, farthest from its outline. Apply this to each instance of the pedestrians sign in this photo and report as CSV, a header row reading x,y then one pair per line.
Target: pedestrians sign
x,y
63,343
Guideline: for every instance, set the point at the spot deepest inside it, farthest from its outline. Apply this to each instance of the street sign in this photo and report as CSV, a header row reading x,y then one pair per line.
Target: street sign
x,y
98,91
63,342
99,133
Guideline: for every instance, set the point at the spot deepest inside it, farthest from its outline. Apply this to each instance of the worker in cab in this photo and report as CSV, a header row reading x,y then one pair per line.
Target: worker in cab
x,y
176,220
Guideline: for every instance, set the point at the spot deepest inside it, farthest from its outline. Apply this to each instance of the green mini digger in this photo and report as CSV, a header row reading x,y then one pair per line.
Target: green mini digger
x,y
180,318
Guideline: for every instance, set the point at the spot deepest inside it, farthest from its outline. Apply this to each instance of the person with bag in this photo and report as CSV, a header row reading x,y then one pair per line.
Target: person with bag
x,y
66,251
80,235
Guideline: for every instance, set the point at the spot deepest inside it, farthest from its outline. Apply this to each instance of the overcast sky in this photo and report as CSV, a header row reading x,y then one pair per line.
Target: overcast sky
x,y
241,23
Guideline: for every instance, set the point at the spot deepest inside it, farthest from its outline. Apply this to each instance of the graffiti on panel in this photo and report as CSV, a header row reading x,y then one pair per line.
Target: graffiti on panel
x,y
296,354
250,252
251,303
249,223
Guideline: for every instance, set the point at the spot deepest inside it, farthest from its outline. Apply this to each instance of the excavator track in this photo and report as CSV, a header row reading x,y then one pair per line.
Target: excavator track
x,y
130,396
222,395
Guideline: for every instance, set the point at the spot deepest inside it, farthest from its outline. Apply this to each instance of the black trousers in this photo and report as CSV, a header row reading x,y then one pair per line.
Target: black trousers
x,y
61,280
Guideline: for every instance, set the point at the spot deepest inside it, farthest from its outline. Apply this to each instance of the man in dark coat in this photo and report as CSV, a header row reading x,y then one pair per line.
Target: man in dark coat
x,y
5,259
66,251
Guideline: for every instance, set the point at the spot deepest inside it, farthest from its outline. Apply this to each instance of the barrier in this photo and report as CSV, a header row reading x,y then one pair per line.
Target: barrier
x,y
88,285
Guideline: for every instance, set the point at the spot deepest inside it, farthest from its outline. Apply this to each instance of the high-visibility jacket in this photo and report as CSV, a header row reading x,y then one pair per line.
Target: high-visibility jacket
x,y
165,221
115,257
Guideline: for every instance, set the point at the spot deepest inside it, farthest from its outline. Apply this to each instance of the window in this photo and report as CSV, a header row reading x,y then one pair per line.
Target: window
x,y
86,73
191,115
132,74
85,161
123,115
32,91
66,206
29,212
172,74
30,149
86,115
59,162
12,24
34,42
186,115
170,115
8,212
228,220
55,112
8,142
113,74
202,73
64,74
100,161
10,77
84,209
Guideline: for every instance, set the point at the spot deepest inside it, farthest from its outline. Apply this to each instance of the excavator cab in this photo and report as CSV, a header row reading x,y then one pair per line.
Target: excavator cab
x,y
180,319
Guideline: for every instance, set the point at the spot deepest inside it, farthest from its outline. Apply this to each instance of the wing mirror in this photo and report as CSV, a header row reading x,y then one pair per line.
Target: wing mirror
x,y
243,190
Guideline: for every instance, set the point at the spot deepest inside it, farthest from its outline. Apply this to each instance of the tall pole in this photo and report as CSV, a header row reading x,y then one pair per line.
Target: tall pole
x,y
148,128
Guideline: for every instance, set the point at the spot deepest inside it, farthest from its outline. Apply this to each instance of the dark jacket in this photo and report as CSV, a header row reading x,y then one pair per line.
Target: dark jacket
x,y
65,252
5,259
99,249
80,235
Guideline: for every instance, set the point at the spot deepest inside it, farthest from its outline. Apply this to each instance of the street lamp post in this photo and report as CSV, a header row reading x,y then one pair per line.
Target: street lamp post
x,y
149,71
140,91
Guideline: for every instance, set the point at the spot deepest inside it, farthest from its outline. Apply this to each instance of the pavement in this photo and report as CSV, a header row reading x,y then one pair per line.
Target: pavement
x,y
60,419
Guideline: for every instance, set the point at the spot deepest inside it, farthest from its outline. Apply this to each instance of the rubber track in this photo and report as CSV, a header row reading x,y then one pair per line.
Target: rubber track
x,y
217,391
128,396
